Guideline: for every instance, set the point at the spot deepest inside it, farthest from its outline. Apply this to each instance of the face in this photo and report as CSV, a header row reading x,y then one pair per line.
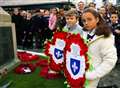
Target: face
x,y
16,11
54,11
61,11
29,16
92,5
89,21
42,12
71,20
81,5
46,13
102,11
114,18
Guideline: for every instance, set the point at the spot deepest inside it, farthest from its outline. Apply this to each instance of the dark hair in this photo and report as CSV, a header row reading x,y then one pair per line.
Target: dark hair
x,y
102,26
37,10
116,13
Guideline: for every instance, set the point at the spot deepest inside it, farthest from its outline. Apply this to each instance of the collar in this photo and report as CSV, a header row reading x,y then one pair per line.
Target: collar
x,y
95,39
91,32
72,27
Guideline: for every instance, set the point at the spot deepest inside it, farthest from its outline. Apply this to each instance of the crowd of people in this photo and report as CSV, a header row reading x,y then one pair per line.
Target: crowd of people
x,y
34,27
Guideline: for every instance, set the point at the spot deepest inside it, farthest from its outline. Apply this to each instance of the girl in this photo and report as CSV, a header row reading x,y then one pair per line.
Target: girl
x,y
100,46
53,19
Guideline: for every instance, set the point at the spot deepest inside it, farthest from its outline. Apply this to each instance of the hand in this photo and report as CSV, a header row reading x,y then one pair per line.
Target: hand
x,y
117,31
91,75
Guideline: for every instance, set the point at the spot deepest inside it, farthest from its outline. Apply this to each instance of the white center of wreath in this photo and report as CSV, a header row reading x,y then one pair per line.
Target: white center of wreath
x,y
75,63
56,50
75,50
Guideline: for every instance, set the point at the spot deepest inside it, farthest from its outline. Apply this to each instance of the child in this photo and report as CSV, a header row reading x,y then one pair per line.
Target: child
x,y
116,32
101,47
72,23
53,19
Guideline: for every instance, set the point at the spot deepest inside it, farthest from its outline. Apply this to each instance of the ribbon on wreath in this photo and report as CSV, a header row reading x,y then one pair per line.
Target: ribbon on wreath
x,y
75,61
54,50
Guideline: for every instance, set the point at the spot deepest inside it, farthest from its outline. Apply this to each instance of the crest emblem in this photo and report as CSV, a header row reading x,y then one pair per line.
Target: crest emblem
x,y
58,53
75,66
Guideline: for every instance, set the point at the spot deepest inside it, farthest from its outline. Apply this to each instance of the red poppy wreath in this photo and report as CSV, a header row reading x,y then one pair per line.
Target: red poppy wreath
x,y
54,49
75,61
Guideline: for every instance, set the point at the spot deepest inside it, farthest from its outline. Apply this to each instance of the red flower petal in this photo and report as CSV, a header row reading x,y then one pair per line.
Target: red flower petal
x,y
42,63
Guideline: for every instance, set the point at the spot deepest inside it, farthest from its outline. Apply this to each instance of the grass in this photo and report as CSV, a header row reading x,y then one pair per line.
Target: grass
x,y
32,80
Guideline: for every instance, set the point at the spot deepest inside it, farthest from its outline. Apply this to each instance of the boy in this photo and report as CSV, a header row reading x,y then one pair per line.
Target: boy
x,y
72,24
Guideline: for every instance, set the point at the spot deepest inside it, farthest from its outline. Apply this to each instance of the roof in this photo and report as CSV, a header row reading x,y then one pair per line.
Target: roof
x,y
28,2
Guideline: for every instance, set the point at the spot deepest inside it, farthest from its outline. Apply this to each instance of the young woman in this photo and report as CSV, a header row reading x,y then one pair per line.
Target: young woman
x,y
100,46
53,19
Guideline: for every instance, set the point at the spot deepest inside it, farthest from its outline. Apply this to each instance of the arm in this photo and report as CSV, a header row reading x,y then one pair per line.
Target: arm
x,y
52,22
109,58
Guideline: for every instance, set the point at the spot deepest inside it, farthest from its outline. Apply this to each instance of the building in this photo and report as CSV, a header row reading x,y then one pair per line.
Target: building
x,y
32,4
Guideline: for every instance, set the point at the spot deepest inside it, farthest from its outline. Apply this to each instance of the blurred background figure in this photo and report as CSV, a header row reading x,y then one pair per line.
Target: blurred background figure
x,y
52,24
81,7
92,5
19,24
28,34
53,19
37,28
103,13
61,22
116,31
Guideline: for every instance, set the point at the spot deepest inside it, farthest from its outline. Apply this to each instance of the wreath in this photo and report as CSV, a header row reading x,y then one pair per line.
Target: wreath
x,y
25,68
54,49
75,54
26,57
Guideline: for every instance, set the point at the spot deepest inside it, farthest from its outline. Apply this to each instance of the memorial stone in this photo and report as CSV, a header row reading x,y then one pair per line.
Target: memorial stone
x,y
8,56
